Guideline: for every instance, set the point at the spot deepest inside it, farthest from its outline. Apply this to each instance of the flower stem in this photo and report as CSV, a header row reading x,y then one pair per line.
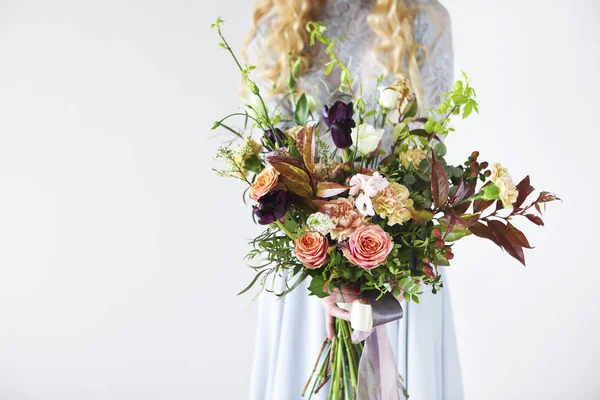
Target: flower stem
x,y
285,230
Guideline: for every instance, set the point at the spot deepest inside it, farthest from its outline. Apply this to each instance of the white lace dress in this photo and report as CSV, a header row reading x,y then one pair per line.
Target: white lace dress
x,y
291,331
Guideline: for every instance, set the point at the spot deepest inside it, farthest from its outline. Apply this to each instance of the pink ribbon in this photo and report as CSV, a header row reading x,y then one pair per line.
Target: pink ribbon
x,y
378,377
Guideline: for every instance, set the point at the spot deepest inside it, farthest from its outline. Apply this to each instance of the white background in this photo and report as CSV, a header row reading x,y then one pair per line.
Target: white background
x,y
121,251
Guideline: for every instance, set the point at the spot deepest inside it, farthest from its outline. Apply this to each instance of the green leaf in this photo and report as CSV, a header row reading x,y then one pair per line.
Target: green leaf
x,y
329,67
296,68
409,179
415,298
316,287
252,282
440,150
301,112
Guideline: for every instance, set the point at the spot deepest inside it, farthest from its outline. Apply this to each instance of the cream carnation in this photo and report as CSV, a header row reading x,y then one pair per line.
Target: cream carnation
x,y
412,155
502,179
394,204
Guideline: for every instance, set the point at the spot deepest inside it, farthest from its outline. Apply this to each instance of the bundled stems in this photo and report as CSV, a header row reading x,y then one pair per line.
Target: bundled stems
x,y
337,363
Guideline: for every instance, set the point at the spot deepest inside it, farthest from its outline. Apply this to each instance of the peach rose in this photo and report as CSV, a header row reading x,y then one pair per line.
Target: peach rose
x,y
345,216
265,181
311,249
368,246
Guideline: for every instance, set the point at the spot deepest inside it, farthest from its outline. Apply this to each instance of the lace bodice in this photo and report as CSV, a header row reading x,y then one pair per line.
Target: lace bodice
x,y
348,18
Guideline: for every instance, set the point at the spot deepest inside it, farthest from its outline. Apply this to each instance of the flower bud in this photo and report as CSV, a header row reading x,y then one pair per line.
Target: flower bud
x,y
253,87
389,99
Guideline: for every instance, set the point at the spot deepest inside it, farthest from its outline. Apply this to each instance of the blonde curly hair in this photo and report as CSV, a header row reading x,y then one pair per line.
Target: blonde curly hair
x,y
391,20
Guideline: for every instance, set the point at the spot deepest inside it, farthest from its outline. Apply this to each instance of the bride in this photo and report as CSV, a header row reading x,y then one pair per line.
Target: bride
x,y
396,38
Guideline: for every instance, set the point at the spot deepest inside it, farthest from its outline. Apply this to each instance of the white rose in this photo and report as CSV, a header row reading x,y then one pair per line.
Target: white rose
x,y
366,137
389,99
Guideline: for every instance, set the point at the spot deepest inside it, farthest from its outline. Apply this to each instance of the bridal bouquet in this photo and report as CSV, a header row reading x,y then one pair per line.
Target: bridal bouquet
x,y
382,221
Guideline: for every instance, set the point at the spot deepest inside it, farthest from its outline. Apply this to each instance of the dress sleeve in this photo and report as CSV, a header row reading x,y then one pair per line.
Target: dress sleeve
x,y
433,31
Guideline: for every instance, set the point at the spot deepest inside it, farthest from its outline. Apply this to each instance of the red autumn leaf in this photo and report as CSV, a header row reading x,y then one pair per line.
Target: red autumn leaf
x,y
279,156
451,218
439,182
462,207
519,236
481,205
546,197
499,205
330,189
508,243
471,187
296,179
420,216
525,189
535,219
483,231
460,192
306,146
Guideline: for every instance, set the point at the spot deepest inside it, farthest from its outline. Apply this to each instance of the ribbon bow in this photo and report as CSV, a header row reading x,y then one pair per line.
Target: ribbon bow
x,y
378,377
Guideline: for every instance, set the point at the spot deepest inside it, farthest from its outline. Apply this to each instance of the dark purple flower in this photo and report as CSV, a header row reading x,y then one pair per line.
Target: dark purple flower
x,y
272,207
271,138
339,118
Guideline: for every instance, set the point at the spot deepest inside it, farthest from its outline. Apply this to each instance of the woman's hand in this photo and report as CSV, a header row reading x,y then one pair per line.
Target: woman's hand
x,y
347,295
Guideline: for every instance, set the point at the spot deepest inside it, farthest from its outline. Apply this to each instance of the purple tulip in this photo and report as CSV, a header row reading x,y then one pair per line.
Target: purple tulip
x,y
271,138
338,117
272,207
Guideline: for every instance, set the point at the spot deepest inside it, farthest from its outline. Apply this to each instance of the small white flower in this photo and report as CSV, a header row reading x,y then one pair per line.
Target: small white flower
x,y
366,137
389,99
319,222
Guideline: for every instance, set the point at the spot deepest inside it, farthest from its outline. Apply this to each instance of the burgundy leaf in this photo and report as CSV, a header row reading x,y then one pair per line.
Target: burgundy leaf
x,y
481,205
519,236
451,222
546,197
499,205
439,182
508,243
283,157
460,192
483,231
467,220
471,187
462,207
535,219
525,189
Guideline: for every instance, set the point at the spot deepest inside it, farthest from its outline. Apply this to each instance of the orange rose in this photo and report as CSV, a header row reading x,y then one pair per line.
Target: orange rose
x,y
265,181
368,246
312,249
